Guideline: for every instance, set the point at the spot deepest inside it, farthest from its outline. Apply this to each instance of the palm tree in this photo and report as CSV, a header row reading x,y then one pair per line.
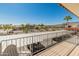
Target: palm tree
x,y
67,18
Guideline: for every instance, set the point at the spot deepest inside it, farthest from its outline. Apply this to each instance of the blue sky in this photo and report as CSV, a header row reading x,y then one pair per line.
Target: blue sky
x,y
38,13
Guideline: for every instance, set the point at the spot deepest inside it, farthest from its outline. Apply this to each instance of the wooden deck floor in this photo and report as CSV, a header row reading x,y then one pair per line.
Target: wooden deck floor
x,y
61,49
75,52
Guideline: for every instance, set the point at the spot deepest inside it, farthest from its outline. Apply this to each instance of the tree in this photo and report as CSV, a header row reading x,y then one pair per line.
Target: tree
x,y
23,27
67,18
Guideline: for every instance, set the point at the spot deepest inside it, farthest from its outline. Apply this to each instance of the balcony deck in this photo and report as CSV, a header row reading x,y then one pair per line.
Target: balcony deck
x,y
69,47
62,49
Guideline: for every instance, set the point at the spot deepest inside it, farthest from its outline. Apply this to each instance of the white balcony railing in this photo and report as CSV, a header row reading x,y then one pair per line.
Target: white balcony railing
x,y
22,40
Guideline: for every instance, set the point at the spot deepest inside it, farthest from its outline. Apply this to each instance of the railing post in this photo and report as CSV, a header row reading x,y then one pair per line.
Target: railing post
x,y
32,46
6,43
47,40
62,36
20,45
52,39
11,41
10,47
56,36
77,40
23,46
38,43
0,48
16,42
